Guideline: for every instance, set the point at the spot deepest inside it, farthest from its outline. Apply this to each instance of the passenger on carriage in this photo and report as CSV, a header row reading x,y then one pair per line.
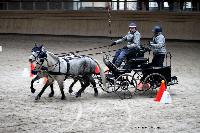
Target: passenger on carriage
x,y
133,44
158,47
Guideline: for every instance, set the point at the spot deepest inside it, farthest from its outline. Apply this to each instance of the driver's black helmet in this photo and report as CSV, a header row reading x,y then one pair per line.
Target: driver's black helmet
x,y
157,29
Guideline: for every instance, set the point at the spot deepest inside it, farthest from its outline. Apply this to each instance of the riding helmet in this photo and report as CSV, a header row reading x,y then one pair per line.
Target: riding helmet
x,y
157,29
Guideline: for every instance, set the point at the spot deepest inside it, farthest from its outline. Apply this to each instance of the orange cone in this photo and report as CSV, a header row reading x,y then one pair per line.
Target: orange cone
x,y
44,80
32,68
160,92
97,71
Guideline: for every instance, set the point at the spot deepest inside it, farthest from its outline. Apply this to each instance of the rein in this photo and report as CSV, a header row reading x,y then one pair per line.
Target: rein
x,y
90,49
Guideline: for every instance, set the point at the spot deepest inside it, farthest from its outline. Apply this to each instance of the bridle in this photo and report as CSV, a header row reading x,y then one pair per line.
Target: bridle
x,y
42,56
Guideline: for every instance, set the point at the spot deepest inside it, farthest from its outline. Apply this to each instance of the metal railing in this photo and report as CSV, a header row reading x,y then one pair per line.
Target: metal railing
x,y
135,5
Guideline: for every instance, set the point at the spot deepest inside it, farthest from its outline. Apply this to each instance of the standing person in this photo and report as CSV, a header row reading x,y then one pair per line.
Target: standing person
x,y
158,47
143,4
195,5
160,4
133,43
171,4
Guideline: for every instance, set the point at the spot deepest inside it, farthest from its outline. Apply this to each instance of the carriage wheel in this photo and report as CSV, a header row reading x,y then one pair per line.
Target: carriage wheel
x,y
153,81
125,86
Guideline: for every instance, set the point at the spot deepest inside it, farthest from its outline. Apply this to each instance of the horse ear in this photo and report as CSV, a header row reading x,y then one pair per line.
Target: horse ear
x,y
35,44
41,46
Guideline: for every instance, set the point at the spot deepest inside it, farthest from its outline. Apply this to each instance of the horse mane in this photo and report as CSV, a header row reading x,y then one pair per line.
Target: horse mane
x,y
52,55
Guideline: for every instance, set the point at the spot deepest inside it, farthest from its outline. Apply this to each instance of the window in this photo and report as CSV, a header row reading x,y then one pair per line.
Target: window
x,y
41,5
55,5
3,5
27,6
13,5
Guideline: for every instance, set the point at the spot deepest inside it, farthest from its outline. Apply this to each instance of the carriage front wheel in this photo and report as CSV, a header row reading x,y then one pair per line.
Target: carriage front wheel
x,y
124,86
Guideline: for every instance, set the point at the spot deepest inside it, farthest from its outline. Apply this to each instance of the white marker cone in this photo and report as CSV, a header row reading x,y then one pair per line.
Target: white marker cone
x,y
166,98
25,73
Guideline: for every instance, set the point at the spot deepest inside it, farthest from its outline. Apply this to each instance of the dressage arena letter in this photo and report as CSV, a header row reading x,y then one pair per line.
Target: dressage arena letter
x,y
0,48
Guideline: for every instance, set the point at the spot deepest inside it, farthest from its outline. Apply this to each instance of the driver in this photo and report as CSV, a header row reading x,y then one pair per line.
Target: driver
x,y
133,43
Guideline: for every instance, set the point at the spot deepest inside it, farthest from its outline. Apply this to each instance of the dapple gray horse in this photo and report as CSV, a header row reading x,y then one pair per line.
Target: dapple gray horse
x,y
40,72
58,68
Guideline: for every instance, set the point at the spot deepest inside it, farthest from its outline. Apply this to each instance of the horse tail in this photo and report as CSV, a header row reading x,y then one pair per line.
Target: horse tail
x,y
99,69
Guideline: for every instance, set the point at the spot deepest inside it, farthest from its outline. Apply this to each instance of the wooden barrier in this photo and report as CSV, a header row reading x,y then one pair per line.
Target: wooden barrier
x,y
176,25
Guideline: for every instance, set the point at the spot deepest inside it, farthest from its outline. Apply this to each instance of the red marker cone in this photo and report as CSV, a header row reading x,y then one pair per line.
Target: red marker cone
x,y
97,71
161,91
32,68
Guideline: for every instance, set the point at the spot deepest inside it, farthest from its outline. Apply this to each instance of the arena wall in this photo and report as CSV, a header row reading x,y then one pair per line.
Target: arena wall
x,y
176,25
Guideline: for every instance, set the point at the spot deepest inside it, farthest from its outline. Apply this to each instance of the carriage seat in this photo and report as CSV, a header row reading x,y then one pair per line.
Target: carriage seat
x,y
139,60
136,53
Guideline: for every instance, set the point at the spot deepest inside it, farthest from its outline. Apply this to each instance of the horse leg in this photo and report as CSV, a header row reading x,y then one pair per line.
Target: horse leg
x,y
83,87
92,81
32,81
82,84
60,83
71,86
52,91
51,80
43,89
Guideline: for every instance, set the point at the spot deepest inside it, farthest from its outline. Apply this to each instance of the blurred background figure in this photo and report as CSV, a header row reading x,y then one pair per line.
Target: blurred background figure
x,y
195,5
143,5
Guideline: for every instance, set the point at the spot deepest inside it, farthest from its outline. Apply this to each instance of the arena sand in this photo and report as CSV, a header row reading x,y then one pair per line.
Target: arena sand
x,y
19,112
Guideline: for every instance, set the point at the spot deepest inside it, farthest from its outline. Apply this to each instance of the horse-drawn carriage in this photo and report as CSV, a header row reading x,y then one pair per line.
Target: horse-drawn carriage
x,y
136,75
122,81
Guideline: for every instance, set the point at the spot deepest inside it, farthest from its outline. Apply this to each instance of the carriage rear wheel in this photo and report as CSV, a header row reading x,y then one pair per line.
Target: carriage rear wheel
x,y
153,81
124,86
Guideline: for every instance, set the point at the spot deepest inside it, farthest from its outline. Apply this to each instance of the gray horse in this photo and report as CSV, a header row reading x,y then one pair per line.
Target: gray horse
x,y
41,72
59,68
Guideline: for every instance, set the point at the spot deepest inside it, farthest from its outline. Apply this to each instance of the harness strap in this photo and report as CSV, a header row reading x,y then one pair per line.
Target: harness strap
x,y
68,65
59,66
59,73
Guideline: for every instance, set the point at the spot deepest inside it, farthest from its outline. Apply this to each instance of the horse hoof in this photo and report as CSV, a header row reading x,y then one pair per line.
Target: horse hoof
x,y
51,94
37,98
95,94
32,90
63,98
78,94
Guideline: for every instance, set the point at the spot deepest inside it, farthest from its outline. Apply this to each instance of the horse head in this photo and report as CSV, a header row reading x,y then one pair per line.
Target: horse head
x,y
38,52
